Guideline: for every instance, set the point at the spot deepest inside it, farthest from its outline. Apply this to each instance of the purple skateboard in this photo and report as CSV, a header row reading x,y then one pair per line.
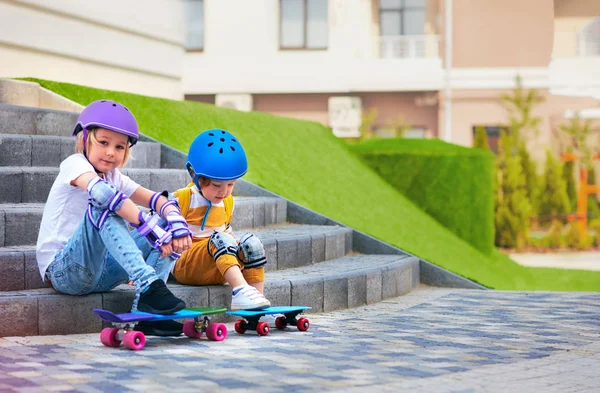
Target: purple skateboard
x,y
123,325
251,319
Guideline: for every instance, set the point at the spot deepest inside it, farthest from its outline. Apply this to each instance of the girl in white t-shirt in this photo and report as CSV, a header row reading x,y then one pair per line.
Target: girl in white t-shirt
x,y
85,244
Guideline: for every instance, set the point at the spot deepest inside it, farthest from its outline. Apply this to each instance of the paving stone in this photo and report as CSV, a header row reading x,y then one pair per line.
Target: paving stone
x,y
12,184
76,315
12,271
33,280
37,182
335,292
442,340
19,316
318,248
278,292
15,150
271,253
307,292
45,151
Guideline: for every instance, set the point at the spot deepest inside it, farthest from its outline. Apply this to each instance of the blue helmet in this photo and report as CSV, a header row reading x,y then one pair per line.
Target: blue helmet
x,y
217,154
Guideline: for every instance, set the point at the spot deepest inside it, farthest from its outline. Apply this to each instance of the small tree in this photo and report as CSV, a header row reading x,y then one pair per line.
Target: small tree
x,y
593,207
577,131
520,105
554,199
532,180
481,139
524,125
398,126
569,177
513,207
366,126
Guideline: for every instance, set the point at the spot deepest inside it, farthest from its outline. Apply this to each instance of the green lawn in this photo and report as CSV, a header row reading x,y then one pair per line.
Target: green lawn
x,y
304,162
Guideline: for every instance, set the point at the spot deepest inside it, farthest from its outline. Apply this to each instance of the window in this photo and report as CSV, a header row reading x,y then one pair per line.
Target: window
x,y
303,24
493,135
401,17
194,25
415,133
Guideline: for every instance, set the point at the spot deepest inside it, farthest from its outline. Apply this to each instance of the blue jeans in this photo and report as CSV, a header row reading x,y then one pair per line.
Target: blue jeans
x,y
97,260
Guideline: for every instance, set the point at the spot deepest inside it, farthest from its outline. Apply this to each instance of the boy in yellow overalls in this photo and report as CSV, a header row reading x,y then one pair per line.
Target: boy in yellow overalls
x,y
216,160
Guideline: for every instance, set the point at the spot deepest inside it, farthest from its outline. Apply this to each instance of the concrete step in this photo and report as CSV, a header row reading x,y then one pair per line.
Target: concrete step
x,y
31,94
35,121
20,222
50,151
32,184
341,283
287,246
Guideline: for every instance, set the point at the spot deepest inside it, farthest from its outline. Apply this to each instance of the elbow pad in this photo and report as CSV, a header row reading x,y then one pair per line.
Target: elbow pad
x,y
105,197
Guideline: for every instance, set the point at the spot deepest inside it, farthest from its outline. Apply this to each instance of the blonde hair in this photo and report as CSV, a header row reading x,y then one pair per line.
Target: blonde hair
x,y
91,140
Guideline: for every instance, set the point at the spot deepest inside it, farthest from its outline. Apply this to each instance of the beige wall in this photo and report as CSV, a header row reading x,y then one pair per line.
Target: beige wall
x,y
134,46
483,107
502,33
414,109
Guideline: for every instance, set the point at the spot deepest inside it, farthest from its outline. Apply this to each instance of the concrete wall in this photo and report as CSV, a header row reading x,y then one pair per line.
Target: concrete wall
x,y
502,33
134,46
483,107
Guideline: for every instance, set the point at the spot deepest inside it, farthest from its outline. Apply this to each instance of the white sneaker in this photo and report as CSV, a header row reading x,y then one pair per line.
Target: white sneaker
x,y
270,319
248,298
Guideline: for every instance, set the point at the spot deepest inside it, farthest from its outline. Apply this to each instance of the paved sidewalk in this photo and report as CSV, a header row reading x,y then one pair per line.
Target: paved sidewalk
x,y
431,340
581,260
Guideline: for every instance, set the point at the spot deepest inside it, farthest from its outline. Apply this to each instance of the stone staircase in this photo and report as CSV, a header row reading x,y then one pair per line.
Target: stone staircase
x,y
312,260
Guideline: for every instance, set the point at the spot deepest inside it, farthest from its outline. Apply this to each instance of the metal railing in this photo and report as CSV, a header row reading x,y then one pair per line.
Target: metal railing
x,y
407,47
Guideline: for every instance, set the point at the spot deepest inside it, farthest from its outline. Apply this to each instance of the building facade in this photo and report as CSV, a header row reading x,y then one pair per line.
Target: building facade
x,y
134,45
433,68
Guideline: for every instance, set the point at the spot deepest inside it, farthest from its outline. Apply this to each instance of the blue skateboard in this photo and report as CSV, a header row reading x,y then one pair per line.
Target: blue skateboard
x,y
123,325
251,318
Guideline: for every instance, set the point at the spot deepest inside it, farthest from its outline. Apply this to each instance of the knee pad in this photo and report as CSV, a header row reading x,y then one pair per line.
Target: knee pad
x,y
224,244
251,251
105,197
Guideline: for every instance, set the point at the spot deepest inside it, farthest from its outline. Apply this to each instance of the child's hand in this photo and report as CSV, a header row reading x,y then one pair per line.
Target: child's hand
x,y
181,244
166,250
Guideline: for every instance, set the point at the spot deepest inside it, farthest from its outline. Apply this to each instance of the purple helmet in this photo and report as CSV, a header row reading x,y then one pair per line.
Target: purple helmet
x,y
110,115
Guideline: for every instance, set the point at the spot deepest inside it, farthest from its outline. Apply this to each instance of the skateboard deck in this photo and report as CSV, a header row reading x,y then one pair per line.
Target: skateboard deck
x,y
251,319
197,324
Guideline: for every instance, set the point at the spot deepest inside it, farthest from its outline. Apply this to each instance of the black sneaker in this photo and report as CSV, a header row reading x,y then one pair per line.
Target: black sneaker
x,y
160,328
157,299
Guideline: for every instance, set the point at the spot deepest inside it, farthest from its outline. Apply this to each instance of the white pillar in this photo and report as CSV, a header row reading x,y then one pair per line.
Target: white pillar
x,y
448,67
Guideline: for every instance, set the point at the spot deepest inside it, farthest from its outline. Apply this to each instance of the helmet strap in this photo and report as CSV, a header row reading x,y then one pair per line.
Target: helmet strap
x,y
197,184
85,137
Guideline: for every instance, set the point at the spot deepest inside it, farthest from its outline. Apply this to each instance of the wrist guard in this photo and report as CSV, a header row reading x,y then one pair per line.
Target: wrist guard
x,y
177,225
150,228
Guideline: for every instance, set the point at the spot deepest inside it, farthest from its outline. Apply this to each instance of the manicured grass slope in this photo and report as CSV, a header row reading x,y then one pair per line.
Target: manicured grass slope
x,y
452,183
305,163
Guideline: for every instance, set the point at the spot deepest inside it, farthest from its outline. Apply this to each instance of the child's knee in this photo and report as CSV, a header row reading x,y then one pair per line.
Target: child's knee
x,y
251,251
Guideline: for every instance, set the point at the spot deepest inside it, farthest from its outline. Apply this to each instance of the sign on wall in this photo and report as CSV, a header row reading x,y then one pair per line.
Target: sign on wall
x,y
241,102
345,116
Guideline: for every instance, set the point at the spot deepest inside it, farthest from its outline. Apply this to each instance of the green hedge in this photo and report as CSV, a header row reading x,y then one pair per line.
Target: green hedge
x,y
453,184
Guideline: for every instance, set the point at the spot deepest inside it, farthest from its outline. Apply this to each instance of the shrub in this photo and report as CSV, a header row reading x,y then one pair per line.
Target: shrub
x,y
451,183
554,238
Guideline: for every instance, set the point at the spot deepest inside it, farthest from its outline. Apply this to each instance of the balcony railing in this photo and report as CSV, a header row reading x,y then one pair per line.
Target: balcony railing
x,y
407,47
572,44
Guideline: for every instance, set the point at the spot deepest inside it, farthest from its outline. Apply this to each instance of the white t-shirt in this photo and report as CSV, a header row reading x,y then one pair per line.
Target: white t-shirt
x,y
66,206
